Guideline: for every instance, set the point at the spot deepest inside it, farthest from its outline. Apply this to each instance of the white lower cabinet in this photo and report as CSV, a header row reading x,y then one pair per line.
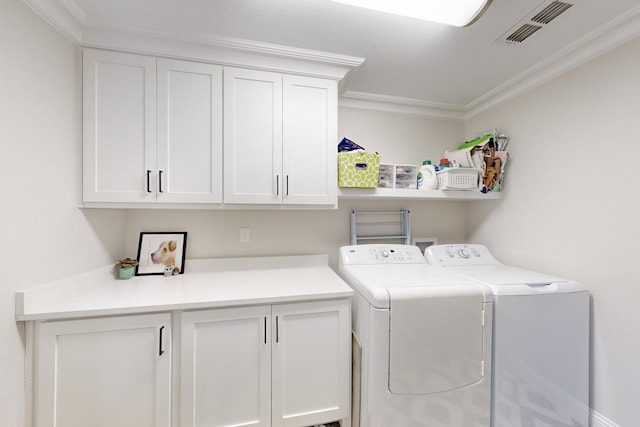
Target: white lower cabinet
x,y
225,367
285,365
311,363
282,365
103,372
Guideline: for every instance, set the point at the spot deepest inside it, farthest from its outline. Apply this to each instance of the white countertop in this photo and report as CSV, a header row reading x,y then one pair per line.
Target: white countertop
x,y
209,283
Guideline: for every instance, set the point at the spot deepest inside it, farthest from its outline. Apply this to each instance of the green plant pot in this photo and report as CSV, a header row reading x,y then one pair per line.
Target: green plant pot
x,y
126,273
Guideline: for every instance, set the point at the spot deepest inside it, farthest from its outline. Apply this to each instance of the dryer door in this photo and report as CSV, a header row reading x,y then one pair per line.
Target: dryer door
x,y
435,338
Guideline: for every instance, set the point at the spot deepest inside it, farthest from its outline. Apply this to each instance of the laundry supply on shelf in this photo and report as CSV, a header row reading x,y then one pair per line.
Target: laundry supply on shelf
x,y
348,145
356,167
406,176
427,179
387,176
444,163
485,153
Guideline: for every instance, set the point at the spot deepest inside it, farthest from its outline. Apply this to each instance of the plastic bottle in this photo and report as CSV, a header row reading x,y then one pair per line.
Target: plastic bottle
x,y
427,179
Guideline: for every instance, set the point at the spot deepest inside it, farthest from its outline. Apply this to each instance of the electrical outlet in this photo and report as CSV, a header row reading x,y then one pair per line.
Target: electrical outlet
x,y
245,234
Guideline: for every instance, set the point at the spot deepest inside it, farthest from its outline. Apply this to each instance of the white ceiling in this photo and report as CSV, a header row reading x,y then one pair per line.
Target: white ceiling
x,y
404,57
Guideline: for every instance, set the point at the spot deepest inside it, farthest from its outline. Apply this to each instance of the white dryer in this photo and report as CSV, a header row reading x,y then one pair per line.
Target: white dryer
x,y
423,335
540,339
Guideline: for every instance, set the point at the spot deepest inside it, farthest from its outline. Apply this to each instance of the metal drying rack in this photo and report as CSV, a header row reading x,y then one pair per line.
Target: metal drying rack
x,y
375,223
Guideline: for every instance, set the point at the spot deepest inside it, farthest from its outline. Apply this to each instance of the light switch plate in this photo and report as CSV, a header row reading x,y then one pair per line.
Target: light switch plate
x,y
245,234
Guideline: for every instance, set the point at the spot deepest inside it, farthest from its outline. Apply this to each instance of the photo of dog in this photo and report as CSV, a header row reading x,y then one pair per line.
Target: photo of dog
x,y
157,251
166,253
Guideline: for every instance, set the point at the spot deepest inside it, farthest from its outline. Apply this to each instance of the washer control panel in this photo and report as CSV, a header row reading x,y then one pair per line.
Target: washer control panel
x,y
381,254
457,255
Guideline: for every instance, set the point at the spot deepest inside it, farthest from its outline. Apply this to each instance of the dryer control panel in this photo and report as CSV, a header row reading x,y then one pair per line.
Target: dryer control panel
x,y
459,255
381,254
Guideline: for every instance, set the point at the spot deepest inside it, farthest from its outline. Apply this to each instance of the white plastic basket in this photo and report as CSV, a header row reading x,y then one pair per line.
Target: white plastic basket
x,y
458,179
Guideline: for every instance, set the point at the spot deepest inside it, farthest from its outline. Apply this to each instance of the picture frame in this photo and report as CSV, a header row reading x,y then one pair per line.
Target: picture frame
x,y
161,253
424,242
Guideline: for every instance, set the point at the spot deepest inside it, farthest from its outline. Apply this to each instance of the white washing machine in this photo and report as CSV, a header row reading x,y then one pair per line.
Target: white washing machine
x,y
422,341
540,339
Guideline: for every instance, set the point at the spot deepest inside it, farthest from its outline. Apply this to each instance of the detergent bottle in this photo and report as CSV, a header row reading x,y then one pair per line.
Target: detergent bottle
x,y
427,179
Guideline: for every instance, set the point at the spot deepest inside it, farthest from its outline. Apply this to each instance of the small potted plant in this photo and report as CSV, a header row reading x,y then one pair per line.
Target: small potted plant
x,y
126,267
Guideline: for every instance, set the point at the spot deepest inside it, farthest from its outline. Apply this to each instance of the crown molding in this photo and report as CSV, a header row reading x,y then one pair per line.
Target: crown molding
x,y
225,43
220,50
70,20
399,105
62,15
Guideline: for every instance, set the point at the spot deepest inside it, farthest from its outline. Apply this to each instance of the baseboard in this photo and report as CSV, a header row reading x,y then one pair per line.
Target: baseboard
x,y
599,420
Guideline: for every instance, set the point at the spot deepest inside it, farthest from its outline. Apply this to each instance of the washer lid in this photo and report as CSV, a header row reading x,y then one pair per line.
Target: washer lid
x,y
509,280
506,275
436,337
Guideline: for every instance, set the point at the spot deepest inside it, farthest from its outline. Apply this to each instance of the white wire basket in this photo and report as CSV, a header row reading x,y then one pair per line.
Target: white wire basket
x,y
458,179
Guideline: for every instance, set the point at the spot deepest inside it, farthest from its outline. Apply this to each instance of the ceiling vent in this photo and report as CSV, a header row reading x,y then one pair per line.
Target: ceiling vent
x,y
522,33
536,20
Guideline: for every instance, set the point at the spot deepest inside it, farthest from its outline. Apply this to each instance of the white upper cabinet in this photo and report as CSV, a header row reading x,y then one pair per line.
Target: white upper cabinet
x,y
119,127
252,136
189,148
280,136
152,129
309,132
155,131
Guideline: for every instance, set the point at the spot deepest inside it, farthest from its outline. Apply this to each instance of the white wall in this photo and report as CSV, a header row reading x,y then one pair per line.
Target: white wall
x,y
399,139
44,235
572,206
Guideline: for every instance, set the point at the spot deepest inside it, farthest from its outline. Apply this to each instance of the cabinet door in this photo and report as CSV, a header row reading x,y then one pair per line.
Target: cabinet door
x,y
310,140
311,363
189,167
119,127
252,137
225,368
104,372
